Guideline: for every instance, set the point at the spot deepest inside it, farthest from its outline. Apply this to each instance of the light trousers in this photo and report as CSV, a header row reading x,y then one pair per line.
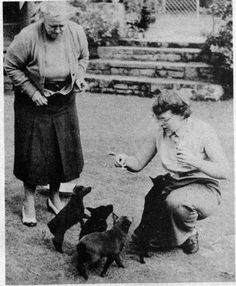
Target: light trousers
x,y
188,204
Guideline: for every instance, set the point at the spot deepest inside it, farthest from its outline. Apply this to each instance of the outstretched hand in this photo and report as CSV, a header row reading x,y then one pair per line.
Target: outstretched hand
x,y
120,159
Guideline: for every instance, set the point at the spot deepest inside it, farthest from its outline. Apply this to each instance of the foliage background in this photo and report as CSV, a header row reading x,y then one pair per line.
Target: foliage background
x,y
218,48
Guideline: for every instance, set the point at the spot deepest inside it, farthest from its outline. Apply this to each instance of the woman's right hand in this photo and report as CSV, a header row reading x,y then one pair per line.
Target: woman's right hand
x,y
39,99
121,160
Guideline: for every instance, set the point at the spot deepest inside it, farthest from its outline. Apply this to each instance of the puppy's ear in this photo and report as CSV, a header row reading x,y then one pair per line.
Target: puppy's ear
x,y
152,179
114,218
91,210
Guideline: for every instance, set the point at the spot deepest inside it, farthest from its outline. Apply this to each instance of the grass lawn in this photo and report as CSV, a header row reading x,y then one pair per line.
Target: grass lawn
x,y
109,123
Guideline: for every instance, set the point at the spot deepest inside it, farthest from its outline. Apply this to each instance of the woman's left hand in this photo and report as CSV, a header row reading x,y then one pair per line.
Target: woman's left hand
x,y
81,85
187,157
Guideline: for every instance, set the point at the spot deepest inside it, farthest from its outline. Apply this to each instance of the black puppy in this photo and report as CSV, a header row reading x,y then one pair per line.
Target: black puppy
x,y
155,218
97,221
71,214
94,246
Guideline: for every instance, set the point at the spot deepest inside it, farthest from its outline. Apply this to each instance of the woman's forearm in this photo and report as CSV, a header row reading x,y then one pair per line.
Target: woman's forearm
x,y
14,67
212,169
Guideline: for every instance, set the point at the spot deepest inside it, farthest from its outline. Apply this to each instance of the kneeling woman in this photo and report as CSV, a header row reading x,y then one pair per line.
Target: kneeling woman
x,y
191,154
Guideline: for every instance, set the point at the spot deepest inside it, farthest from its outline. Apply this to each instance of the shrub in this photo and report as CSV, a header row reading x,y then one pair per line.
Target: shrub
x,y
133,6
101,29
218,48
141,10
82,4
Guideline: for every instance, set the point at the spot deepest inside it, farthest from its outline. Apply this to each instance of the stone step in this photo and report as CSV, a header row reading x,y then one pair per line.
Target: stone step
x,y
150,54
167,44
163,69
139,86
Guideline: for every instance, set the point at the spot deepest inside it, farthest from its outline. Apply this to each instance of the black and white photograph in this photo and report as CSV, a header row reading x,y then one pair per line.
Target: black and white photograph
x,y
118,142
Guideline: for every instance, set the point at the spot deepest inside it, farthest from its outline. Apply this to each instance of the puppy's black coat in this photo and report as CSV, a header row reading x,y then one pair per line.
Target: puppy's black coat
x,y
94,246
97,221
71,214
152,217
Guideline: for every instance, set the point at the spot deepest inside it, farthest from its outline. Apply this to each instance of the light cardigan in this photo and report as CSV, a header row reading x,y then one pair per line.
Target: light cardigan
x,y
25,58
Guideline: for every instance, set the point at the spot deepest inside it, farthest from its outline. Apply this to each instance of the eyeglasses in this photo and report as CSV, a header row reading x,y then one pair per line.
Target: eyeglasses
x,y
55,27
162,120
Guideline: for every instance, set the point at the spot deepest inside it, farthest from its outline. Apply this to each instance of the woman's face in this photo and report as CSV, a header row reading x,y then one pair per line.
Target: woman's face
x,y
169,121
54,26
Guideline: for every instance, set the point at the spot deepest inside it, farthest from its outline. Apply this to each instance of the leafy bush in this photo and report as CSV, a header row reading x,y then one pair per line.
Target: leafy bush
x,y
133,6
141,10
218,48
82,4
145,20
99,26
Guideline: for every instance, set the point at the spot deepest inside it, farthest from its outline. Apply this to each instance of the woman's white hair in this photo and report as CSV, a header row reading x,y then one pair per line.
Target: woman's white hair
x,y
54,8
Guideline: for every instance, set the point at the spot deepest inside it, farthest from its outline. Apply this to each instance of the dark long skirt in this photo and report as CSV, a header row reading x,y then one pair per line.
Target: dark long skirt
x,y
47,140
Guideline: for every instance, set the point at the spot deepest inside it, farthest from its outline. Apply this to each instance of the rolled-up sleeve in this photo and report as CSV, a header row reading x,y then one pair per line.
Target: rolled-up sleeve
x,y
15,63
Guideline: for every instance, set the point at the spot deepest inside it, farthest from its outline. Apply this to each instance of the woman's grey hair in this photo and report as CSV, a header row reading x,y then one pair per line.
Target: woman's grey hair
x,y
171,100
54,8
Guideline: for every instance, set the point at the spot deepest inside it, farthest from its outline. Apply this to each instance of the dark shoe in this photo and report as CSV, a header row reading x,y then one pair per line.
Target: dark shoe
x,y
191,245
28,221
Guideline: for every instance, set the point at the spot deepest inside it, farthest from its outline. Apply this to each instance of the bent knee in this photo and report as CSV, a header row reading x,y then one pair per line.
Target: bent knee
x,y
175,202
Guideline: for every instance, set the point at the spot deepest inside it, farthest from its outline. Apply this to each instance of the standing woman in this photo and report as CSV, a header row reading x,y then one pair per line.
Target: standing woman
x,y
193,159
47,61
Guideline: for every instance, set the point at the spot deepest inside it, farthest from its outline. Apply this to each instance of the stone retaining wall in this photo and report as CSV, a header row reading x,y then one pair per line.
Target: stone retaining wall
x,y
150,54
188,71
145,87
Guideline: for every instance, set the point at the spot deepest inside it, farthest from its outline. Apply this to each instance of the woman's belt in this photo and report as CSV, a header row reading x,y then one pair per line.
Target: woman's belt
x,y
55,85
